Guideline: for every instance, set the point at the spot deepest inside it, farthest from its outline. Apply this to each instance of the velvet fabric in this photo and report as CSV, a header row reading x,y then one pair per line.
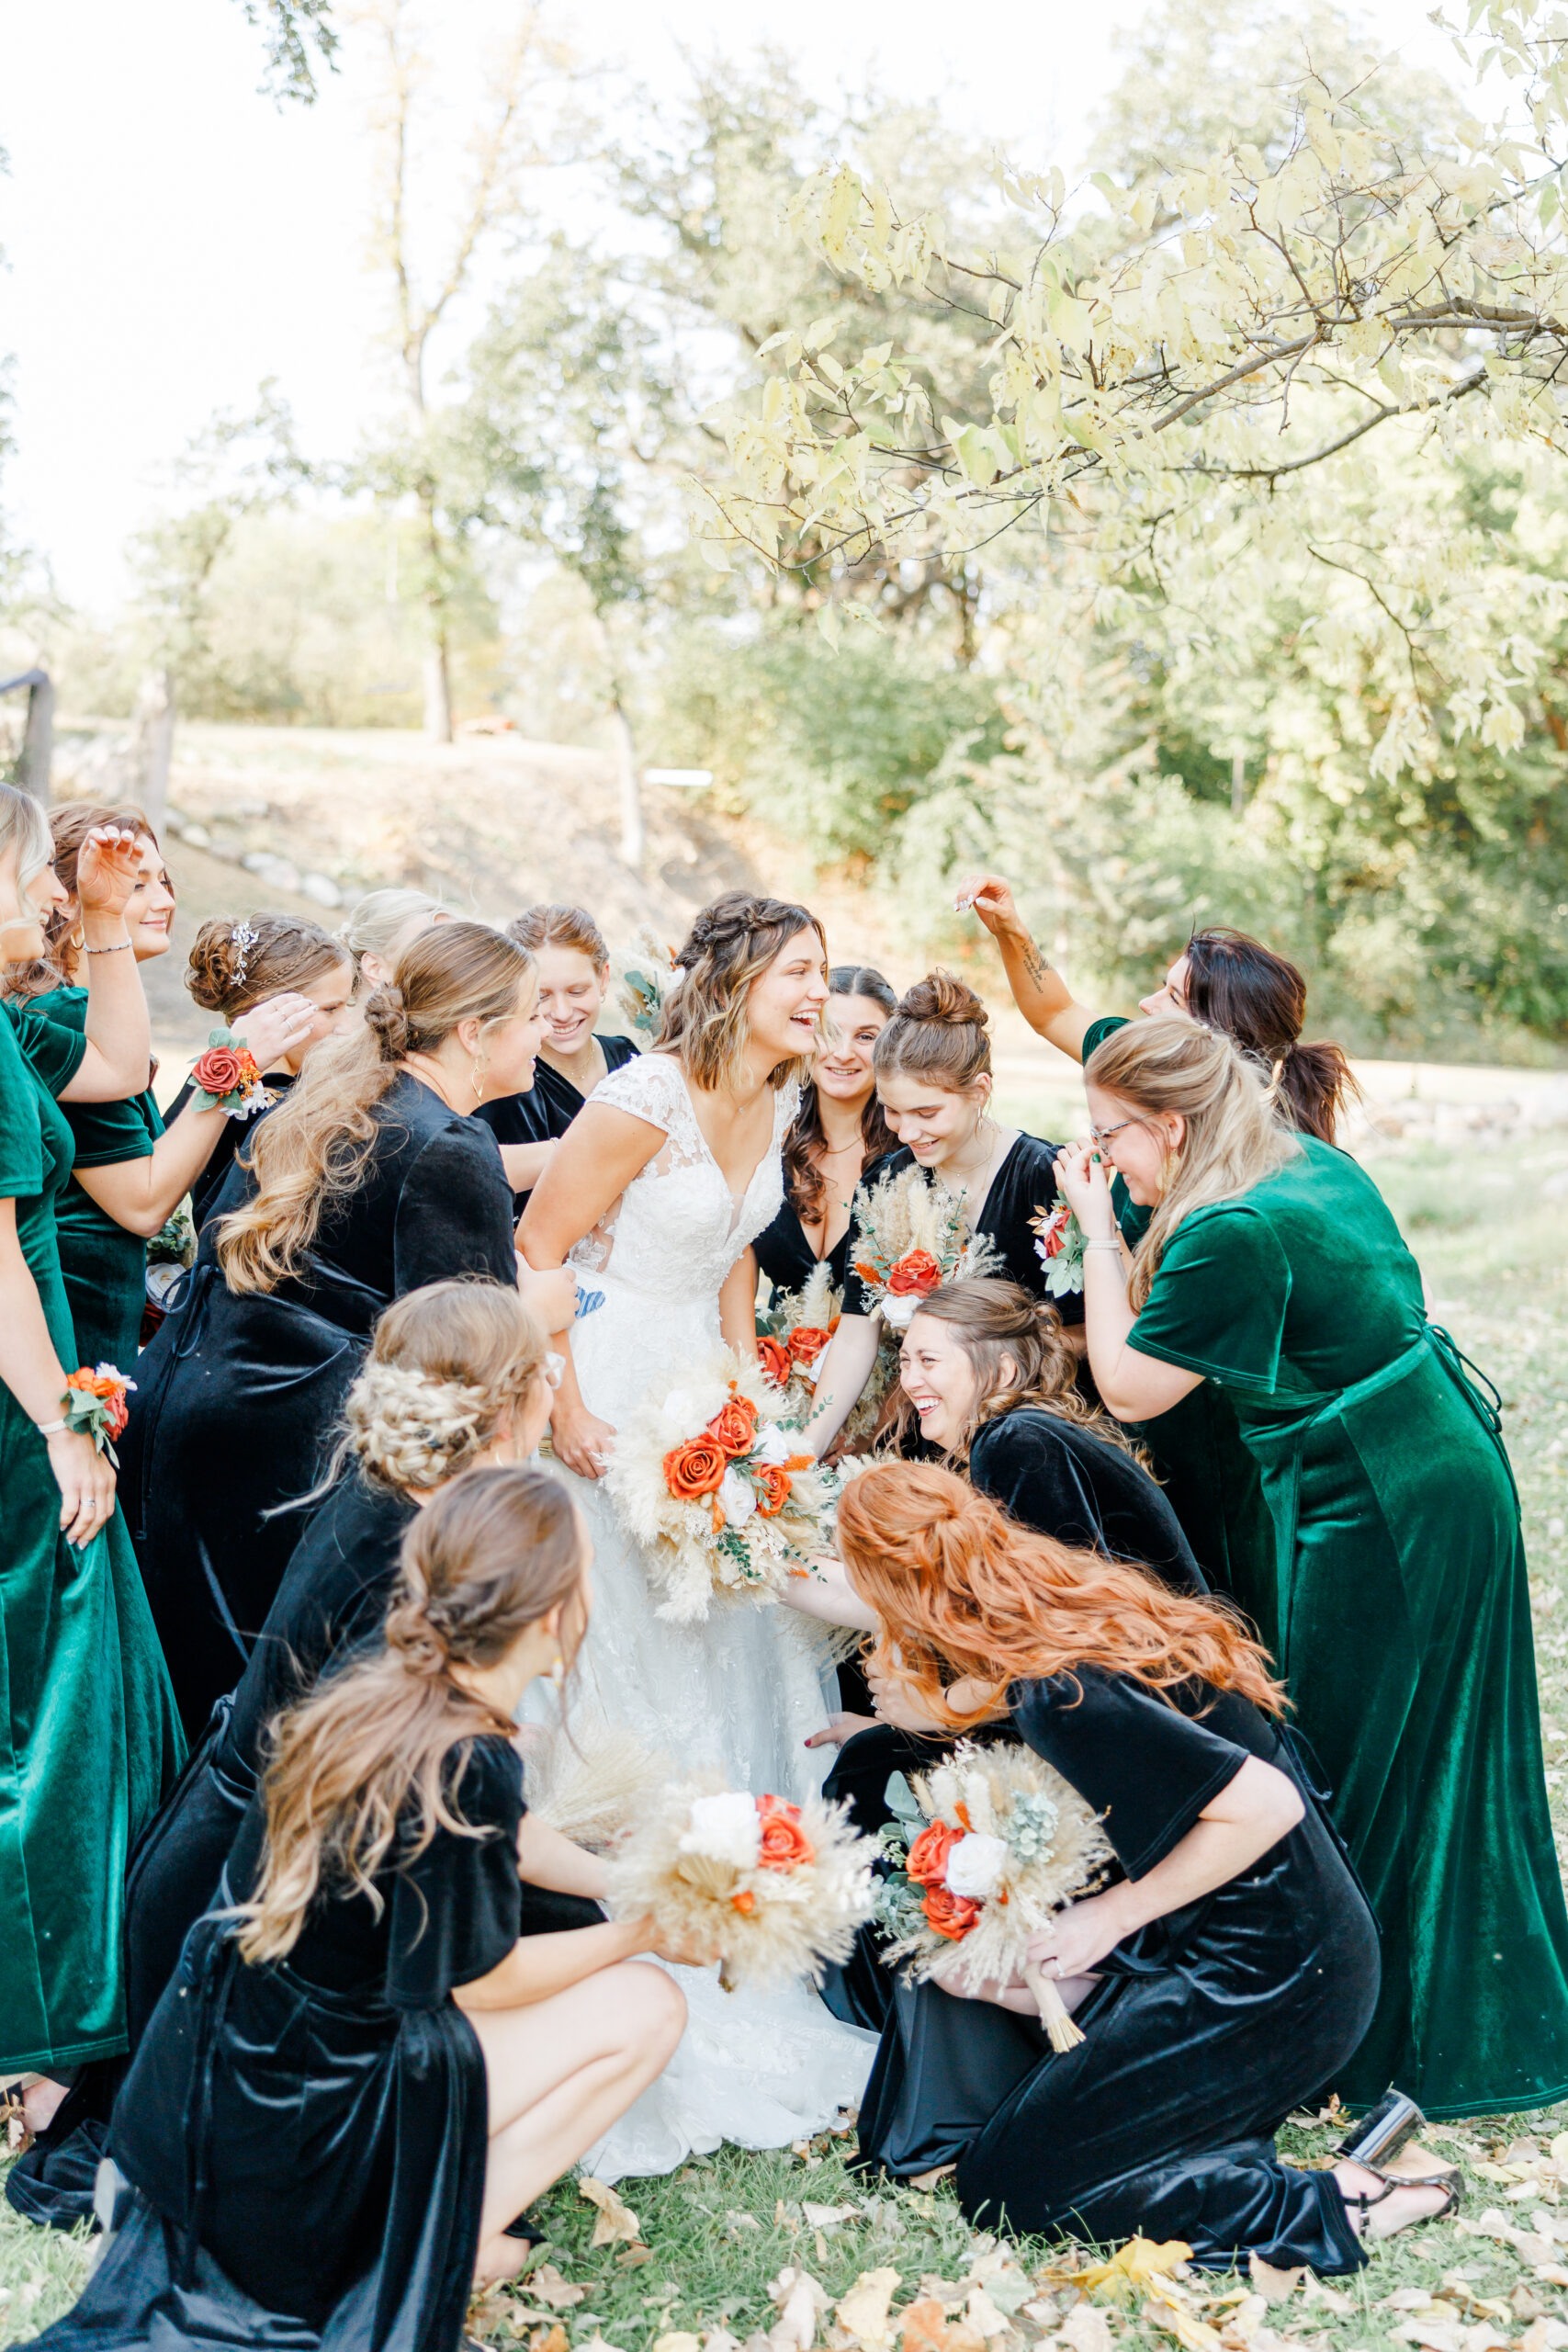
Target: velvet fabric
x,y
1023,1186
89,1739
238,1394
233,1136
787,1257
104,1267
1205,2028
307,2138
1400,1609
1060,1477
549,1107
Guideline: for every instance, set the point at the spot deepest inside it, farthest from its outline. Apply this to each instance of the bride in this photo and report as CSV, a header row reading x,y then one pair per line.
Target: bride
x,y
656,1191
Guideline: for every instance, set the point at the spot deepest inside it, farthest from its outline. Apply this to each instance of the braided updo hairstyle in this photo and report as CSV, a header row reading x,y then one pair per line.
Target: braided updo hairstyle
x,y
483,1561
939,1033
447,1365
234,965
729,945
994,1322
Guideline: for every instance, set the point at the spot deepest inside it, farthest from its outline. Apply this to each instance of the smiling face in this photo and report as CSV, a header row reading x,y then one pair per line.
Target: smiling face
x,y
842,1068
939,1380
934,1123
571,994
23,912
1171,994
507,1049
785,1001
150,914
1138,1143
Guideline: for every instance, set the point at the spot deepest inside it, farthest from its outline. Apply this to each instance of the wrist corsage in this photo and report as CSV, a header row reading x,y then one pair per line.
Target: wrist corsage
x,y
95,1407
1059,1244
226,1079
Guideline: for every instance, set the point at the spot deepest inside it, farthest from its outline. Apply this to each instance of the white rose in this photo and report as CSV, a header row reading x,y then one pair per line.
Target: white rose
x,y
736,1498
771,1444
725,1829
974,1866
900,1311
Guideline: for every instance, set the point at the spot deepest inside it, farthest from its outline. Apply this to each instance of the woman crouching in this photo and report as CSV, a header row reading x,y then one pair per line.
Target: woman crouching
x,y
360,2073
1227,1972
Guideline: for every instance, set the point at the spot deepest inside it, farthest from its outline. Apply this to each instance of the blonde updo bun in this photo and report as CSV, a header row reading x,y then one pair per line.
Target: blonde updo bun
x,y
447,1365
386,1017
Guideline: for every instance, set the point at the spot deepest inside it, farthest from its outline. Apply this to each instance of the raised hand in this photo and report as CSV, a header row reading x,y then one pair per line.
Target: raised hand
x,y
273,1028
1084,1185
987,896
107,870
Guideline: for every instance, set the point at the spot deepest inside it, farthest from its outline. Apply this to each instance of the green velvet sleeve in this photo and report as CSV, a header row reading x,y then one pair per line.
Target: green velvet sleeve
x,y
1218,1299
22,1137
55,1048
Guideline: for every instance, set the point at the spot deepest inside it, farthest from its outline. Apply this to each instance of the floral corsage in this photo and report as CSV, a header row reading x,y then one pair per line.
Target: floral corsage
x,y
1059,1246
95,1405
226,1079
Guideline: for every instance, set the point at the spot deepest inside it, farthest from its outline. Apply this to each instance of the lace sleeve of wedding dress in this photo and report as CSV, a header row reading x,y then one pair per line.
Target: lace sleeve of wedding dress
x,y
650,1088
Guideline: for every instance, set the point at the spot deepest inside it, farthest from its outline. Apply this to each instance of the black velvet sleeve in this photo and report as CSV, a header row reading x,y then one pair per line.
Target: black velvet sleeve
x,y
456,1909
1145,1765
1066,1481
454,1212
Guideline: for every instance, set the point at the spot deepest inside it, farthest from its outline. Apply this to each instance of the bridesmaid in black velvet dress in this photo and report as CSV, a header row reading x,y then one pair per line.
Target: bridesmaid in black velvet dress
x,y
1225,1973
370,1180
838,1134
934,1081
357,2078
574,974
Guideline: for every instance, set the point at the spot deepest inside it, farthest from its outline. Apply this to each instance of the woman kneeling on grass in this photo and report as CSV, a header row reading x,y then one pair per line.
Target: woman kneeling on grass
x,y
359,2074
1226,1975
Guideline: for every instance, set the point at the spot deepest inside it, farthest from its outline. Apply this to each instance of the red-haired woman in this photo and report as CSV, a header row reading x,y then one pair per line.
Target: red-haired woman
x,y
1224,1974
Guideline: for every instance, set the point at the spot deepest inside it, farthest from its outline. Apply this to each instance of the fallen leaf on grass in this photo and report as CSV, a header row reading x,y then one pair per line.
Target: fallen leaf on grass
x,y
1544,2336
828,2217
865,2312
927,2328
616,2220
677,2341
632,2257
1086,2330
1133,2268
553,2338
595,2342
984,2316
551,2287
1195,2334
1274,2286
799,2302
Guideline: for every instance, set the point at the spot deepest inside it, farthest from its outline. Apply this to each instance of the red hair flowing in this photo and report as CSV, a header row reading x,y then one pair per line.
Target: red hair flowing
x,y
961,1589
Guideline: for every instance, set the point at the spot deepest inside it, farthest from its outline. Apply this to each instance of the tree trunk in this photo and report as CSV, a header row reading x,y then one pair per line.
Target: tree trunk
x,y
437,694
37,742
154,745
634,839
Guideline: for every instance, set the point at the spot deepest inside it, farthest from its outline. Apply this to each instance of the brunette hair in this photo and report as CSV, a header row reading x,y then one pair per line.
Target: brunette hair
x,y
937,1033
447,1363
730,944
558,925
234,965
1233,1140
1237,984
65,829
485,1559
992,1320
961,1589
804,1181
373,926
312,1151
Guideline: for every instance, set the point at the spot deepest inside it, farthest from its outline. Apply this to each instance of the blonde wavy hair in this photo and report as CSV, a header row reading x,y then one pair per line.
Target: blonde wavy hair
x,y
365,1765
378,920
24,826
311,1153
730,944
994,1322
1233,1139
447,1365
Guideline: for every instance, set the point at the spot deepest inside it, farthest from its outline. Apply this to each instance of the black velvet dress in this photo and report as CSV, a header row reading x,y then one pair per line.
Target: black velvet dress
x,y
549,1107
787,1257
1024,1186
1205,2029
238,1396
306,2140
233,1138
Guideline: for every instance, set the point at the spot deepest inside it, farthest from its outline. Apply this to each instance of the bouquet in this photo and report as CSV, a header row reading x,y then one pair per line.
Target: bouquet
x,y
793,1332
910,1237
719,1488
226,1079
1058,1245
1007,1843
95,1405
590,1786
643,978
779,1887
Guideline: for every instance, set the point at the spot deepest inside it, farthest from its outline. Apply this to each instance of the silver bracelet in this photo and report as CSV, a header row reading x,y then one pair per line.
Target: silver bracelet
x,y
110,951
49,1429
1098,1241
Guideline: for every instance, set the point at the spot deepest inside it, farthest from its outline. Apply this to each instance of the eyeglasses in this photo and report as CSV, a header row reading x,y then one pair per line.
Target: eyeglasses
x,y
1103,1135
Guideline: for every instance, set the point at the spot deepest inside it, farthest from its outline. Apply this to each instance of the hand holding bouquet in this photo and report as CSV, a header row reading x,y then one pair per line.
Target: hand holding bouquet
x,y
774,1888
910,1237
1007,1843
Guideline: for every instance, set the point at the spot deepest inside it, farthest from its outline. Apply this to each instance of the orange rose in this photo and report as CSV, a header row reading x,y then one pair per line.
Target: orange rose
x,y
772,1485
775,1358
734,1425
807,1342
914,1276
222,1069
950,1914
696,1468
784,1843
927,1864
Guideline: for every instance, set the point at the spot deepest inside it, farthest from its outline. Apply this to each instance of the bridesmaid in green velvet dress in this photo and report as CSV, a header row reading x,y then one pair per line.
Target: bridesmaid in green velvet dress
x,y
89,1741
1401,1598
128,1179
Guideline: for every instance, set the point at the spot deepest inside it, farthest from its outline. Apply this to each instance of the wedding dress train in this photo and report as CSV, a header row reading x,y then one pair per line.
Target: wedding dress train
x,y
739,1691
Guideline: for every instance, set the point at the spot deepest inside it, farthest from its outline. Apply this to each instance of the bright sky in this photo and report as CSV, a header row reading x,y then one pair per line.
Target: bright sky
x,y
171,237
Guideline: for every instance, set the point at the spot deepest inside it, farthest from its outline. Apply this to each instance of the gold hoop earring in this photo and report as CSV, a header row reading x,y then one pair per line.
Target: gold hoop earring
x,y
478,1074
558,1674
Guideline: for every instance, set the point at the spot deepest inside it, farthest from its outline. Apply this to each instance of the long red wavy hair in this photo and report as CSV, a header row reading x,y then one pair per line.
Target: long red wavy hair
x,y
962,1590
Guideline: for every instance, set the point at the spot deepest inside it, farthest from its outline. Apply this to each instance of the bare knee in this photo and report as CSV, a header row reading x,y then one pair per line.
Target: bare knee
x,y
652,2008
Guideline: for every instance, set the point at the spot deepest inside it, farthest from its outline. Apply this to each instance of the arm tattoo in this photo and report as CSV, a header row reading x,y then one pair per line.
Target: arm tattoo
x,y
1034,964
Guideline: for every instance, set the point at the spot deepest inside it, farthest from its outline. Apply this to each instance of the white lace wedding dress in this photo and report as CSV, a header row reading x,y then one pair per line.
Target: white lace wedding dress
x,y
739,1691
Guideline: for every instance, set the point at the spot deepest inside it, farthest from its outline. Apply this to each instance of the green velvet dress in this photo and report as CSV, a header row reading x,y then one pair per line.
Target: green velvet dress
x,y
1209,1478
89,1738
1402,1613
104,1267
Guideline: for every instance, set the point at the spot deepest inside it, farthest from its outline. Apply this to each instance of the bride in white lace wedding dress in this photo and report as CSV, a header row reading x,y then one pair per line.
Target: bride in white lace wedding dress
x,y
668,1173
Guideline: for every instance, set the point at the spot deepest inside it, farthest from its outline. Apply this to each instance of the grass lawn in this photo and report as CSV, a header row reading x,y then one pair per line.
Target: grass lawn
x,y
698,2252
